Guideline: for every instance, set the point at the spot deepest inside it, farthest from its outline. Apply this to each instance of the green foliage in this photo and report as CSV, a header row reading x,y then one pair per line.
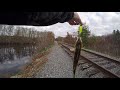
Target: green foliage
x,y
116,36
85,35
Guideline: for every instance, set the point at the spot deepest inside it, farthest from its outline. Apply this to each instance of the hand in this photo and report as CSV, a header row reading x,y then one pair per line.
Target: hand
x,y
75,20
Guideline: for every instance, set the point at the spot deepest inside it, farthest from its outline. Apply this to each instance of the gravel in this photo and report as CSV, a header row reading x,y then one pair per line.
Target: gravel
x,y
59,65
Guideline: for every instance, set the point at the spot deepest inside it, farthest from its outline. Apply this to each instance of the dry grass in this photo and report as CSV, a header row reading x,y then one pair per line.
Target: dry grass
x,y
37,63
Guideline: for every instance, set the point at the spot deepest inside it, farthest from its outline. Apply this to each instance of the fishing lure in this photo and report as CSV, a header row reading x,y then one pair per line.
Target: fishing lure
x,y
80,29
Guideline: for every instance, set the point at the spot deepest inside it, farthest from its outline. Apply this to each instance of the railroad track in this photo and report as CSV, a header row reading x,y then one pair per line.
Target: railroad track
x,y
106,64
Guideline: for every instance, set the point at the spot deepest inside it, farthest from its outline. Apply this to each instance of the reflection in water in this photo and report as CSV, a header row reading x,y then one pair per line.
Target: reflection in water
x,y
13,57
11,53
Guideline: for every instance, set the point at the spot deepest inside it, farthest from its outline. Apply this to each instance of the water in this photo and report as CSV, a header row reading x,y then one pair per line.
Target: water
x,y
14,57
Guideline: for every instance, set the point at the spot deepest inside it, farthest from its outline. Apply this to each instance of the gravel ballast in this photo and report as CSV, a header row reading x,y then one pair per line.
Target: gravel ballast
x,y
59,65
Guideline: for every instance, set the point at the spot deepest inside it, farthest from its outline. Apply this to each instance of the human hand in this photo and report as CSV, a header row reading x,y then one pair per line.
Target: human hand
x,y
75,20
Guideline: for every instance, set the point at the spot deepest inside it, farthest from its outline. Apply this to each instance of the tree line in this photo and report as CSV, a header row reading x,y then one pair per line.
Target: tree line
x,y
107,44
20,35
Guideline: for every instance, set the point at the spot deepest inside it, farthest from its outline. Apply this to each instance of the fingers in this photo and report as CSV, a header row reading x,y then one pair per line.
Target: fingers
x,y
77,22
74,22
71,22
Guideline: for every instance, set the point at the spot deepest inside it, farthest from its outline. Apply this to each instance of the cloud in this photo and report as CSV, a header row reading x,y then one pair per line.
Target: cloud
x,y
100,23
59,29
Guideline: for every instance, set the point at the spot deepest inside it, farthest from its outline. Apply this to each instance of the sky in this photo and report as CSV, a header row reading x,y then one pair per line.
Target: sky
x,y
100,23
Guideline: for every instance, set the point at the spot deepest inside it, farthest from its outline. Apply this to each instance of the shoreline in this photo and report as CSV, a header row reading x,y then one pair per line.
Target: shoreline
x,y
36,64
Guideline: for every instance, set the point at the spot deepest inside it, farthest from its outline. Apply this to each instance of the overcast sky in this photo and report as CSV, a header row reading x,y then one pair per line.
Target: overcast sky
x,y
99,23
